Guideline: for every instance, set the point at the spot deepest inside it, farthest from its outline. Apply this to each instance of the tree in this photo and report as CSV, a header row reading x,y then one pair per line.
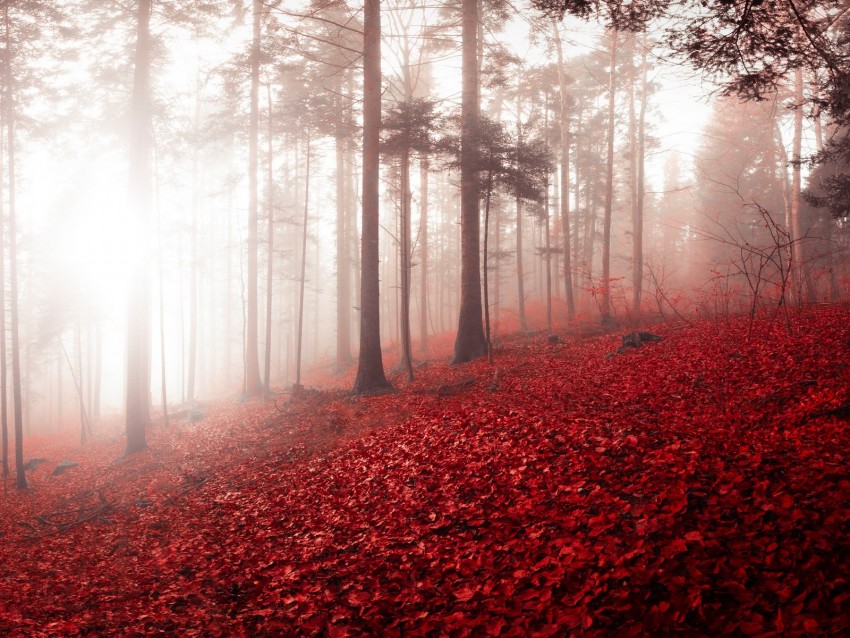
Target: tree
x,y
253,385
9,117
564,199
470,342
408,128
370,367
4,410
609,184
138,311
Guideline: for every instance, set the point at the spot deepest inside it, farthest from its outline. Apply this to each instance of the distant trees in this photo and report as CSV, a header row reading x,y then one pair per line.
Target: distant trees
x,y
409,128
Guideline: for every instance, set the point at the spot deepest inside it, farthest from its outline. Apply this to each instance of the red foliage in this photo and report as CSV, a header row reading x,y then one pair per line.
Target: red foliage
x,y
697,486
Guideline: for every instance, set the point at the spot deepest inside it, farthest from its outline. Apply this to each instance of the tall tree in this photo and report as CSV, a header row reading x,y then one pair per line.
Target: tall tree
x,y
4,411
564,199
253,384
137,411
9,116
470,342
609,183
408,128
639,157
370,366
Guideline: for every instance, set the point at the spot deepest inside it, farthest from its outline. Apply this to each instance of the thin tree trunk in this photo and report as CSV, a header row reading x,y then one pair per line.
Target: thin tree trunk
x,y
799,267
633,180
21,478
162,363
574,259
253,384
228,293
77,385
300,335
641,183
194,266
547,254
80,390
520,271
486,274
343,275
424,168
406,354
370,367
564,122
609,187
267,368
98,372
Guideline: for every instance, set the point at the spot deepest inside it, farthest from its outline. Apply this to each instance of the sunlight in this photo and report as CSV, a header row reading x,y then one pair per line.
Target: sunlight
x,y
97,244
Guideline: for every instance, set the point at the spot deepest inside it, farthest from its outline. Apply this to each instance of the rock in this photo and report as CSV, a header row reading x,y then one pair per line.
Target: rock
x,y
194,416
636,339
553,339
63,466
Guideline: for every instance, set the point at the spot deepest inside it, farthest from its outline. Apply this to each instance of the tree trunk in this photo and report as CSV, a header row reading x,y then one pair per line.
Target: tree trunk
x,y
21,477
343,276
4,408
267,367
574,255
253,384
609,187
138,317
300,336
370,367
564,122
470,342
798,258
487,334
637,230
163,366
80,391
194,266
98,372
424,168
406,354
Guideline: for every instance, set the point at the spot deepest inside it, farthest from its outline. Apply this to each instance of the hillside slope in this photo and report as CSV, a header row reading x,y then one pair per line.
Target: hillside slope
x,y
697,486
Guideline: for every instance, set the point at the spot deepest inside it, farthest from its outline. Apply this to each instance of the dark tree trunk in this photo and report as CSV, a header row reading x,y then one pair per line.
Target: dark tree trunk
x,y
470,342
370,367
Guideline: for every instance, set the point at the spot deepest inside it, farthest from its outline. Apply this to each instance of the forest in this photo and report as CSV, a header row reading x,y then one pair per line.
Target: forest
x,y
467,318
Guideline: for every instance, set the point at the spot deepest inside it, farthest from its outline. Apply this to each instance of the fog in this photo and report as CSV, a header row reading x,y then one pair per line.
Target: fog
x,y
716,187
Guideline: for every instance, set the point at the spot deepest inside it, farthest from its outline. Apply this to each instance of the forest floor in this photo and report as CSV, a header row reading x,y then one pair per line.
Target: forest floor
x,y
698,486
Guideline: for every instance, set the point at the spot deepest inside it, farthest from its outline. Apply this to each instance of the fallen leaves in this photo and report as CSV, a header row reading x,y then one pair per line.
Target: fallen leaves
x,y
676,489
